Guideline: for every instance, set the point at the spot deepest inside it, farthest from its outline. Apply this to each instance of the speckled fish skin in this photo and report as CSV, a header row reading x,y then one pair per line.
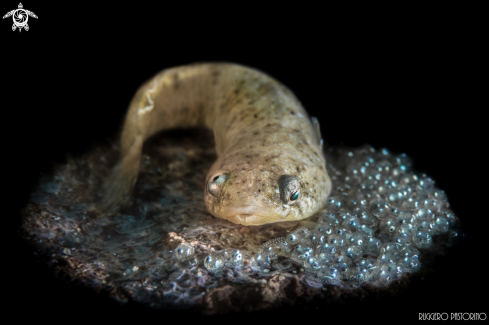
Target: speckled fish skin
x,y
261,132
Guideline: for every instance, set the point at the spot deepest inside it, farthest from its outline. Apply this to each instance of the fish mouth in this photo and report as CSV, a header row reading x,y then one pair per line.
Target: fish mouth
x,y
250,215
249,219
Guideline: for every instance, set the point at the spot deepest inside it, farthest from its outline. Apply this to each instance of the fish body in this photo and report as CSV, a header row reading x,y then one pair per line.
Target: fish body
x,y
270,165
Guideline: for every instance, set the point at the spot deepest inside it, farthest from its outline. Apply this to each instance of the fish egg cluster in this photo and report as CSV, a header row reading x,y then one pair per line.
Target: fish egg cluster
x,y
229,258
379,216
165,250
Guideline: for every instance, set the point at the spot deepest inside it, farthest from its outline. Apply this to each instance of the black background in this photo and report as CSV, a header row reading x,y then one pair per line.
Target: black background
x,y
408,84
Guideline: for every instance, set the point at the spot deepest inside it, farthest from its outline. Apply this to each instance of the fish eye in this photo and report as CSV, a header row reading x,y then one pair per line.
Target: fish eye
x,y
217,183
289,188
295,195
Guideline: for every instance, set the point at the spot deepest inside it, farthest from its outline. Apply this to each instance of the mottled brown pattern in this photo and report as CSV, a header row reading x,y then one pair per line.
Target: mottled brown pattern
x,y
261,132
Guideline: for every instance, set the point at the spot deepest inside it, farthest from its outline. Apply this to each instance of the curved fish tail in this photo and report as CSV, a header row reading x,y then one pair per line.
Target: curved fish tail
x,y
119,185
177,97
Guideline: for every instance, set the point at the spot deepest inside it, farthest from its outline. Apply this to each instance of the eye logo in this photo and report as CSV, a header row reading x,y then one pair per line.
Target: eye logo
x,y
20,17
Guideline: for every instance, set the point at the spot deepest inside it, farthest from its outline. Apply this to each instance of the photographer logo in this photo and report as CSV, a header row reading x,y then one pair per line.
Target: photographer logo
x,y
20,17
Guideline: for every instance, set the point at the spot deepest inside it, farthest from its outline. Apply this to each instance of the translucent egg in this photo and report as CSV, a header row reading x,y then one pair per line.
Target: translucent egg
x,y
364,150
299,248
356,239
184,252
381,214
439,195
387,258
301,254
334,202
384,167
324,257
391,248
352,203
353,252
342,258
410,259
388,225
336,240
451,217
343,232
366,230
455,237
405,229
441,225
407,218
411,203
395,212
357,274
379,204
297,236
426,183
424,212
367,219
276,247
262,261
362,202
372,266
410,251
326,248
355,169
328,231
410,178
329,275
422,239
192,262
342,215
397,172
385,237
373,246
328,220
404,162
313,263
233,258
308,251
434,205
393,197
393,270
369,184
367,263
402,240
425,224
410,264
342,269
318,237
214,262
352,223
387,273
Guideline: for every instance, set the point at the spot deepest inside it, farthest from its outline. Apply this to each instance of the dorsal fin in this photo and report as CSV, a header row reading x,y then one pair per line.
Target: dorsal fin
x,y
317,131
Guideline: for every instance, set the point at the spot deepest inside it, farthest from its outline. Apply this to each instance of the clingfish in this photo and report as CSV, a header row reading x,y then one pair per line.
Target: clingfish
x,y
270,163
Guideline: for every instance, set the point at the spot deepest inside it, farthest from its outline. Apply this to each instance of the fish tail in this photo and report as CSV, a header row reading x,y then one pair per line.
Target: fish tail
x,y
178,97
119,184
